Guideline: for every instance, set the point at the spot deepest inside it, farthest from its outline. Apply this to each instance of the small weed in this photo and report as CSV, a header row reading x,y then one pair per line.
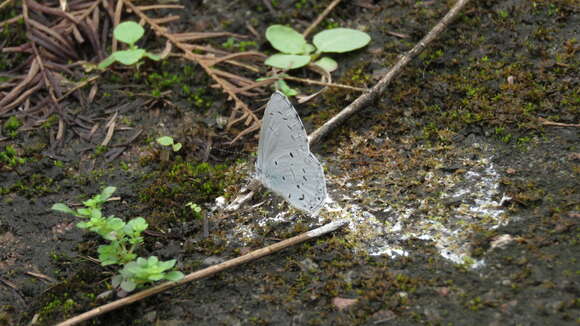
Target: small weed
x,y
168,141
129,33
297,53
124,239
11,126
10,157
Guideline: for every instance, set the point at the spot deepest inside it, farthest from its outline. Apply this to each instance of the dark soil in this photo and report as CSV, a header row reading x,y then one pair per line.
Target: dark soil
x,y
470,101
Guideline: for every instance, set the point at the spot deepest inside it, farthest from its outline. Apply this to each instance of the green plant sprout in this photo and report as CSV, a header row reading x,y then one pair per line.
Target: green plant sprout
x,y
128,32
11,126
297,53
195,209
124,240
142,271
168,141
10,157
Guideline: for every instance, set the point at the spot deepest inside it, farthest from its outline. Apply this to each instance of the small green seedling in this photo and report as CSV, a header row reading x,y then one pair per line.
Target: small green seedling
x,y
195,209
11,126
124,239
137,273
128,32
296,52
168,141
10,157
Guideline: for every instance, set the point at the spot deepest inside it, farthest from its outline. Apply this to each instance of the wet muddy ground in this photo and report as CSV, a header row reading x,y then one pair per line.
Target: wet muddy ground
x,y
463,205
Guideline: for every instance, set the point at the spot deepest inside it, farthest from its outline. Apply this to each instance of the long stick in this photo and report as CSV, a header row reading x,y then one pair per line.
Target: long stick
x,y
206,272
380,87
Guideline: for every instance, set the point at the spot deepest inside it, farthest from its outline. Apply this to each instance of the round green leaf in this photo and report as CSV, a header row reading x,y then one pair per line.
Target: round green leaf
x,y
287,61
128,285
107,62
327,64
152,56
129,57
128,32
165,141
340,40
286,40
309,48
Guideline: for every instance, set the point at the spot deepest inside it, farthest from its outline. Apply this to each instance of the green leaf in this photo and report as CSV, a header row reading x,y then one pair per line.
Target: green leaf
x,y
60,207
153,260
107,193
309,48
115,223
340,40
128,32
137,225
286,39
165,265
327,64
155,277
287,61
116,280
108,254
107,62
128,285
176,147
174,276
152,56
165,141
129,57
285,88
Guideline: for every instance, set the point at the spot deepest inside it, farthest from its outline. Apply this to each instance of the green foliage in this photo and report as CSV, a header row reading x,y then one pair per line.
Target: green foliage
x,y
10,157
231,43
295,52
168,141
124,239
195,209
11,125
128,32
142,271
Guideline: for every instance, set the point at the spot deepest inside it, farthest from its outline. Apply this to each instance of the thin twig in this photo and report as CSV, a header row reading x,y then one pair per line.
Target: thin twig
x,y
545,122
320,17
315,82
380,87
330,227
4,4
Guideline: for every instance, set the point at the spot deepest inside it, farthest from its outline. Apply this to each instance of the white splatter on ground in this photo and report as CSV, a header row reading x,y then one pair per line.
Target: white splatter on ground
x,y
476,200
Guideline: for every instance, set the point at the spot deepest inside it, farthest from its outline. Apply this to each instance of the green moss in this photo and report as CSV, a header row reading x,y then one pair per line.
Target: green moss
x,y
173,187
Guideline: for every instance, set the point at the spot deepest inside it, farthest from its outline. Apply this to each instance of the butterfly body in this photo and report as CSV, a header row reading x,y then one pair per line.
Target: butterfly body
x,y
285,164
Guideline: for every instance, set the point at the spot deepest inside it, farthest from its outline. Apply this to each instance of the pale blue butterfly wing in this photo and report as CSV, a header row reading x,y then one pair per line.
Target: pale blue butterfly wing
x,y
285,163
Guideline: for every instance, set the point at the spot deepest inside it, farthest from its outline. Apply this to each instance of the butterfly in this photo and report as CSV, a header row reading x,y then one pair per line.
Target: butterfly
x,y
285,164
